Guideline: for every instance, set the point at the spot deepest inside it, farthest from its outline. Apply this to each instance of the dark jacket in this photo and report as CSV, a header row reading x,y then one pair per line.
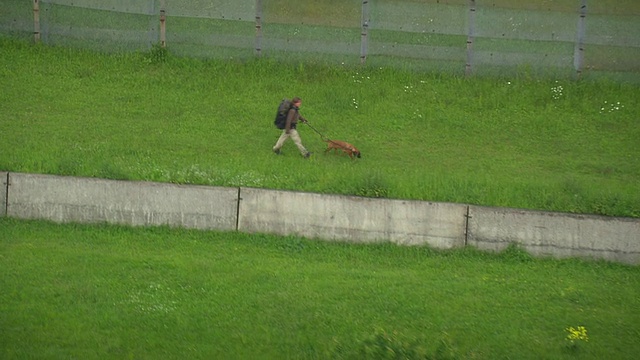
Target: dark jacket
x,y
292,118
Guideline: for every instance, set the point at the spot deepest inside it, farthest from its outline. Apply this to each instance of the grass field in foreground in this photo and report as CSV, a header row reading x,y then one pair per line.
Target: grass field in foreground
x,y
517,142
109,292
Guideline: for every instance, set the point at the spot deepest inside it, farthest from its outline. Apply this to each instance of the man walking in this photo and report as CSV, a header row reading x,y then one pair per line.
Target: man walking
x,y
289,131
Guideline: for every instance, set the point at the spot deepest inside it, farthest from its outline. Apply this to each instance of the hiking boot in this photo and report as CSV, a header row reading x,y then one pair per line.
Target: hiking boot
x,y
307,155
277,151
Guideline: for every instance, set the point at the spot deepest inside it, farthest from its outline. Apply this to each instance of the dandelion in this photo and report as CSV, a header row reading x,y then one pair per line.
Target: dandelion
x,y
556,91
357,78
577,334
611,107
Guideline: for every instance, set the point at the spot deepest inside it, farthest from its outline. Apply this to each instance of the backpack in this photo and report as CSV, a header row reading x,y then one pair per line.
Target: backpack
x,y
281,116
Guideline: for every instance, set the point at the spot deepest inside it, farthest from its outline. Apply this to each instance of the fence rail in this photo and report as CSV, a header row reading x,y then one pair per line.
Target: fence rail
x,y
564,37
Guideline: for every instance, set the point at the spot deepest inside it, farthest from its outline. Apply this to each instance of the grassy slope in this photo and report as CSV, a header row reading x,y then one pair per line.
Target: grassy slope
x,y
506,142
77,291
112,292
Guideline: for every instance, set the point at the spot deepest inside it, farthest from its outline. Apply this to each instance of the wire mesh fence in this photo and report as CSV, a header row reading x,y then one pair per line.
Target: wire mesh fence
x,y
569,38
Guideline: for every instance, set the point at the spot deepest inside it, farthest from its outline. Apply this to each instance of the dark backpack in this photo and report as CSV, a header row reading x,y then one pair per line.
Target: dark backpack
x,y
281,116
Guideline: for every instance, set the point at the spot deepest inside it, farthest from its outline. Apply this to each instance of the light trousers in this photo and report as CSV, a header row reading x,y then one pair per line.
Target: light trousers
x,y
293,134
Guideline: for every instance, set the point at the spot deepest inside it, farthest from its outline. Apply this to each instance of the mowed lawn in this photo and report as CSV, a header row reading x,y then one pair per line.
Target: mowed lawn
x,y
111,292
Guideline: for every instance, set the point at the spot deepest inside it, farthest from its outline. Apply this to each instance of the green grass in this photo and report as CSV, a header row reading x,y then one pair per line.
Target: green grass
x,y
75,291
101,292
517,142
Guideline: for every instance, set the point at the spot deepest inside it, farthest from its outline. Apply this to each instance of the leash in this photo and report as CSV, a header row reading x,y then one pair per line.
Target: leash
x,y
323,137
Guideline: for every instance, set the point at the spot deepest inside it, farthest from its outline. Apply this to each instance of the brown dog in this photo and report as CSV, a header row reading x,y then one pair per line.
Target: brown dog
x,y
347,148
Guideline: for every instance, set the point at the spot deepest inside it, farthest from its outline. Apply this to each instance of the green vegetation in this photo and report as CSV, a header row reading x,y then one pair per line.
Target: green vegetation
x,y
515,142
110,292
78,291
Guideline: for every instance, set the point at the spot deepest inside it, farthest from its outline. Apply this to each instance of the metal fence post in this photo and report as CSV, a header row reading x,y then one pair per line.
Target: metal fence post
x,y
163,24
258,27
578,54
365,30
470,37
36,20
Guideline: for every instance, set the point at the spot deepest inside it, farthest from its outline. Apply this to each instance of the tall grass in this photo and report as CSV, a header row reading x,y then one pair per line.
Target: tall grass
x,y
517,142
101,292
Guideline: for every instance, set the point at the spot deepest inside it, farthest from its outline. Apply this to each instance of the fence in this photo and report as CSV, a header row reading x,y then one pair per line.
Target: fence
x,y
560,38
328,217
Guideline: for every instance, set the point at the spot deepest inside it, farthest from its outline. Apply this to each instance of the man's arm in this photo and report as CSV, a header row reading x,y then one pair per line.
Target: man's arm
x,y
290,115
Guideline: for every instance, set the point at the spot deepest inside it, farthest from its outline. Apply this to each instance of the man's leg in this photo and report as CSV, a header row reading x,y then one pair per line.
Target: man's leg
x,y
296,140
280,142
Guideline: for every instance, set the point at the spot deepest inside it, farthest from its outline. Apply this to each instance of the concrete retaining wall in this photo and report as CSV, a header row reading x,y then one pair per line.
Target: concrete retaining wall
x,y
71,199
329,217
3,192
332,217
555,234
